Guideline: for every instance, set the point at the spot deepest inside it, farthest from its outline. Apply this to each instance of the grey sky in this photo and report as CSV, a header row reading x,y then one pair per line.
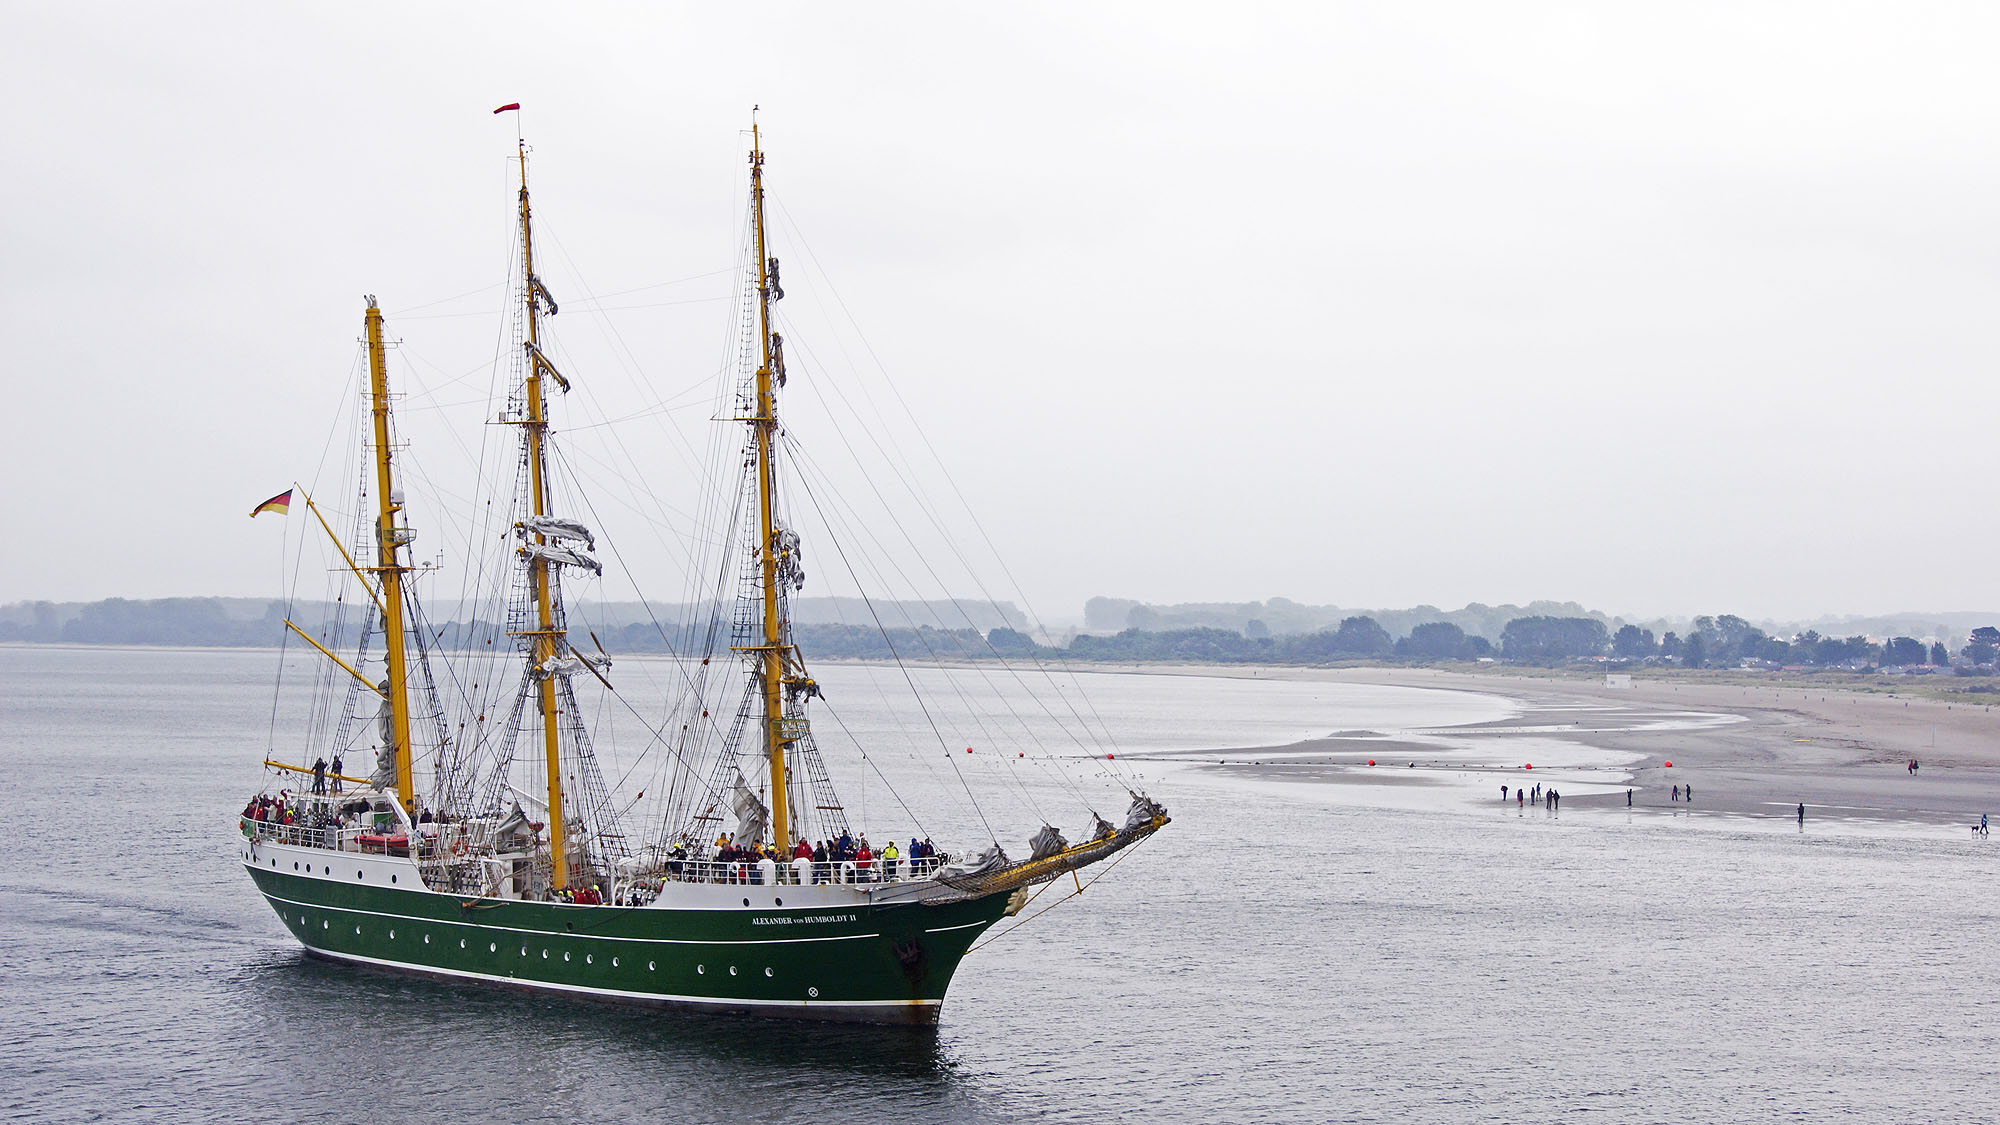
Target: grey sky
x,y
1666,309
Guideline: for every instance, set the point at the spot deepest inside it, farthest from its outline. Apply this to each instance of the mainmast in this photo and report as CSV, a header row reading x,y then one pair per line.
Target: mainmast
x,y
764,423
546,646
388,537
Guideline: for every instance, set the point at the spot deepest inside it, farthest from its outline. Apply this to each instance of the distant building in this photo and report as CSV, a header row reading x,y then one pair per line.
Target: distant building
x,y
1617,679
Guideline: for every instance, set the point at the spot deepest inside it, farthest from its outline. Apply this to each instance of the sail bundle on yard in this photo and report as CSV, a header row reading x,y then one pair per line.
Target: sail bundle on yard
x,y
562,556
552,527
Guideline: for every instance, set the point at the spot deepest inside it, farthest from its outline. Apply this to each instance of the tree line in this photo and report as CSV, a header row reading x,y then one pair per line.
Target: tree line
x,y
1725,640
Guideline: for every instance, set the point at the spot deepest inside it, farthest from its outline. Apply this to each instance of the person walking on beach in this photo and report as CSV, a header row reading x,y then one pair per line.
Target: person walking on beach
x,y
1689,794
1628,798
1503,792
1802,815
1677,792
1520,797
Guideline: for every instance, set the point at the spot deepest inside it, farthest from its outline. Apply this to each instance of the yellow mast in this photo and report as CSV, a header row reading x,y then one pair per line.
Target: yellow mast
x,y
387,539
765,423
546,634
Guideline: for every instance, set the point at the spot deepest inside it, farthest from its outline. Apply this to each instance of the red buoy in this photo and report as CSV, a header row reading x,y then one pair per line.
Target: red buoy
x,y
1670,765
968,749
1371,761
1528,766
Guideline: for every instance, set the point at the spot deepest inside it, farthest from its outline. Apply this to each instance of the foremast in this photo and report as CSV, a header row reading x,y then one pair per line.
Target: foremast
x,y
772,650
388,566
546,639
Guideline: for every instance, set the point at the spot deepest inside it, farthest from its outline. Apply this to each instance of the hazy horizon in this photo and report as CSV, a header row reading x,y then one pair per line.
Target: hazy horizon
x,y
1664,311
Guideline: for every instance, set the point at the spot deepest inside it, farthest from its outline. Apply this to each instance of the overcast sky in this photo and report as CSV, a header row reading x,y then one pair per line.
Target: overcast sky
x,y
1665,309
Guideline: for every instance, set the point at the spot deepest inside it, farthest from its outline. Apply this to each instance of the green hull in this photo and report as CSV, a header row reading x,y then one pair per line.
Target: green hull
x,y
882,963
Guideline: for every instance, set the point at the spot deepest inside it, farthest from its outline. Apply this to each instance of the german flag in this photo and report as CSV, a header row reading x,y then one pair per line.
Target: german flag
x,y
281,504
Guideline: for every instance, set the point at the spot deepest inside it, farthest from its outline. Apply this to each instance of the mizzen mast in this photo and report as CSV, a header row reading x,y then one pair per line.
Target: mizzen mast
x,y
388,539
547,637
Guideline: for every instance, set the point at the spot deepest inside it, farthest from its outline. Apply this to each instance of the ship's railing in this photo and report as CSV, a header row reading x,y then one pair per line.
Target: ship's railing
x,y
428,839
300,834
798,872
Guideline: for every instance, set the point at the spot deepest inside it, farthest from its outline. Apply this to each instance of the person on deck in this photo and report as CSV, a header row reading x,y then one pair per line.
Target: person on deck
x,y
863,858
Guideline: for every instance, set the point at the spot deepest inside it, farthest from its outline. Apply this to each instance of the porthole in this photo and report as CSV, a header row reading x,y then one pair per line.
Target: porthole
x,y
461,943
701,970
274,863
295,867
427,939
357,874
746,902
778,901
652,967
588,959
329,870
565,954
492,947
524,951
357,931
732,970
813,992
545,954
392,878
392,935
614,962
767,970
325,925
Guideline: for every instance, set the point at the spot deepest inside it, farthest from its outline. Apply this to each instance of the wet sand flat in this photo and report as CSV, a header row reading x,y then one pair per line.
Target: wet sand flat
x,y
1747,750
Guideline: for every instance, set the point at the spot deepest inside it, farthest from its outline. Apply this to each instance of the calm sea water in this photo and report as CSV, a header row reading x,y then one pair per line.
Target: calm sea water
x,y
1267,958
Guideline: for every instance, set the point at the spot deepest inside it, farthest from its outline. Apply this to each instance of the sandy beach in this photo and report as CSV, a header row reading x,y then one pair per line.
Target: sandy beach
x,y
1842,754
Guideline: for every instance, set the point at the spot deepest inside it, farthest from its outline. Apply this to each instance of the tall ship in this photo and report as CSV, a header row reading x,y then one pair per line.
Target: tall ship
x,y
446,812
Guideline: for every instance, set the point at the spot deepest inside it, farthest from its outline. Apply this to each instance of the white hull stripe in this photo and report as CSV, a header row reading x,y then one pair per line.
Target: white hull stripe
x,y
620,992
420,921
948,929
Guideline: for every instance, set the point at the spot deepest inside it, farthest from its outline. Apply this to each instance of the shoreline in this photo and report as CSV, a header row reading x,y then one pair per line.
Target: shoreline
x,y
1843,754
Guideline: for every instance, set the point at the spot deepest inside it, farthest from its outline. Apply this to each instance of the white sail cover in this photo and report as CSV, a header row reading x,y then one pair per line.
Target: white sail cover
x,y
515,823
570,665
384,775
750,812
1047,842
562,556
992,859
558,666
553,528
1142,813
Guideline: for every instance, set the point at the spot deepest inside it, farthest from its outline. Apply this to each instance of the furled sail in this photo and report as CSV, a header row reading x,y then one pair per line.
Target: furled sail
x,y
557,528
384,775
751,814
992,859
562,556
1047,842
1143,813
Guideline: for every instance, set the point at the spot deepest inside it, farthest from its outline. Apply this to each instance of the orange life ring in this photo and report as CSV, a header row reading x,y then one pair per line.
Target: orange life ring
x,y
458,847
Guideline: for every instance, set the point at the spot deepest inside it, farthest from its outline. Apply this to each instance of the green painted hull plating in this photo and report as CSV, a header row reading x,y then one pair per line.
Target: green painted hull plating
x,y
878,963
